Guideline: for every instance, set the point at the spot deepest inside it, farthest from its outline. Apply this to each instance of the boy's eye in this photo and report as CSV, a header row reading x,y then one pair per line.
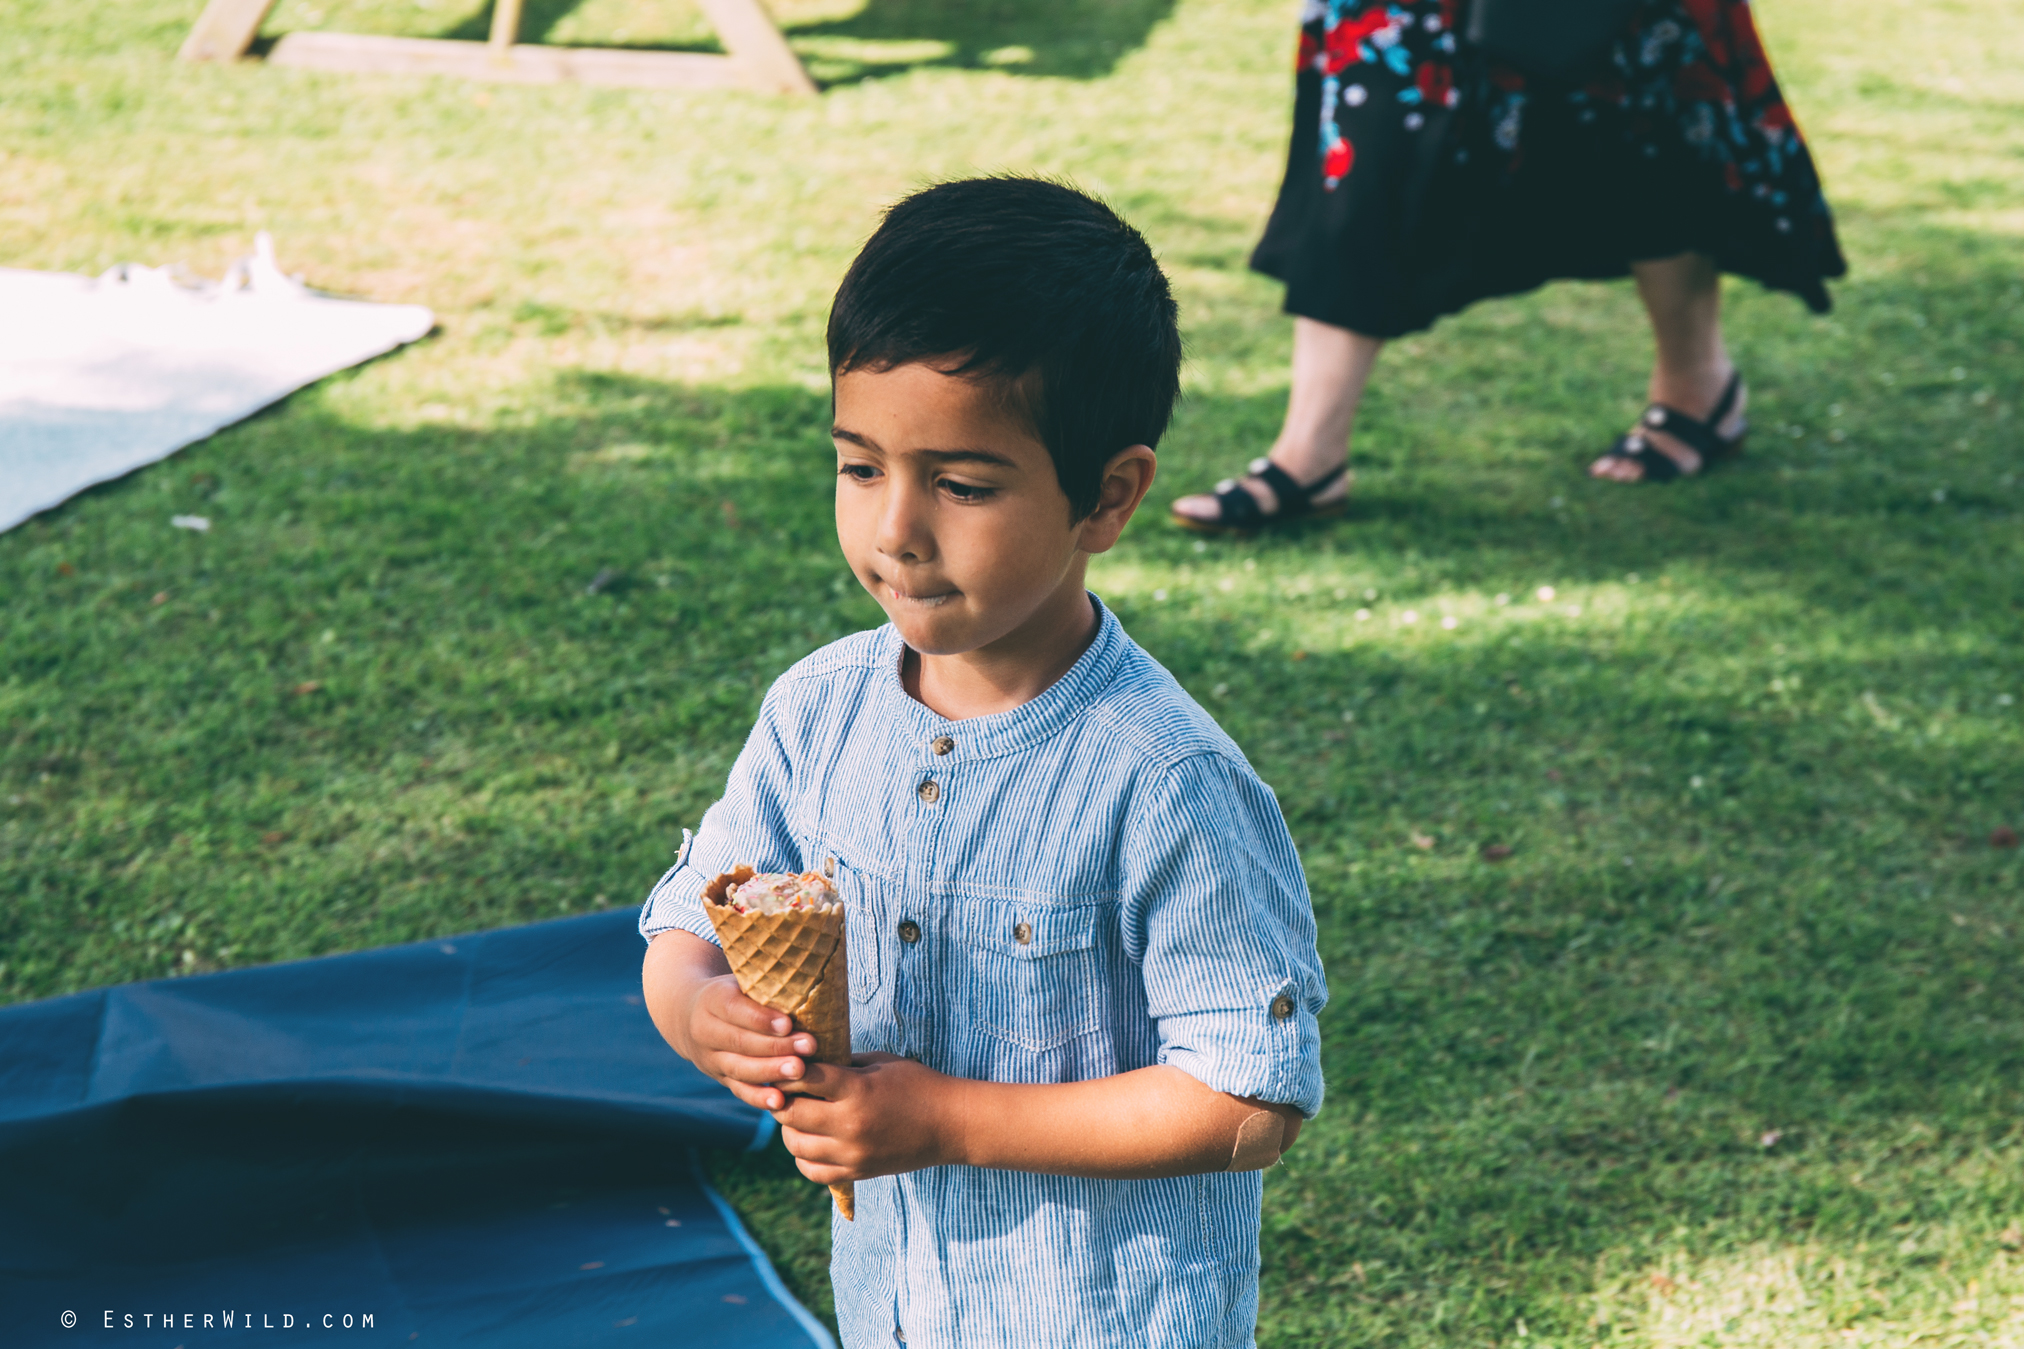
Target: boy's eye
x,y
858,472
965,491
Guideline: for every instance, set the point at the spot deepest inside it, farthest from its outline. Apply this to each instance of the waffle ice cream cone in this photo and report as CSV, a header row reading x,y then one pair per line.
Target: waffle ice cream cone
x,y
793,962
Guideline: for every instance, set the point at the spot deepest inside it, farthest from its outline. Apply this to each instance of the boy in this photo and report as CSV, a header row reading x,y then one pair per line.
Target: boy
x,y
1082,970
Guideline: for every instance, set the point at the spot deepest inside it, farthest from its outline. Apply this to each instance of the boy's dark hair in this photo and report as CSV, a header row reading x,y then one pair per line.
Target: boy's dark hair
x,y
1036,288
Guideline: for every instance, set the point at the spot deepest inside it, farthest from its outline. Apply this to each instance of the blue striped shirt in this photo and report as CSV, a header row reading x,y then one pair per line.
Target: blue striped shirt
x,y
1087,884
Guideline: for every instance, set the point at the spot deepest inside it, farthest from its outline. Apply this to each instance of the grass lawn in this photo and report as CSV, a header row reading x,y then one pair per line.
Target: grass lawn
x,y
1729,1052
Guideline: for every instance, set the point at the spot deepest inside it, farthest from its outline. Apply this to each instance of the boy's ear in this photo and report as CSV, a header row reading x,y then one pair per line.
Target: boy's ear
x,y
1126,480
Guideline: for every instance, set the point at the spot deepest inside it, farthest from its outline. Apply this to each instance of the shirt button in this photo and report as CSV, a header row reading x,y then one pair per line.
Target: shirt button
x,y
929,791
1282,1006
1023,933
941,744
910,931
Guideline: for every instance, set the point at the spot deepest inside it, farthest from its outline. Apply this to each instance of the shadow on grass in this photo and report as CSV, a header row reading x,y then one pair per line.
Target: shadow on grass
x,y
887,37
425,678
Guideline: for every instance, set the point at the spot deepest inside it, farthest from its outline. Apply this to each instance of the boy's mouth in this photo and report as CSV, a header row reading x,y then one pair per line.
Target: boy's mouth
x,y
920,599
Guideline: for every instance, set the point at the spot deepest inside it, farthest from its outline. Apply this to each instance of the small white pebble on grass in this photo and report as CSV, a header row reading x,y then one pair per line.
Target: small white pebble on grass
x,y
1503,599
1159,594
1544,593
1220,690
1363,615
2002,700
196,522
1370,594
1695,782
1349,716
1410,616
329,635
1227,583
1939,494
1451,622
1201,546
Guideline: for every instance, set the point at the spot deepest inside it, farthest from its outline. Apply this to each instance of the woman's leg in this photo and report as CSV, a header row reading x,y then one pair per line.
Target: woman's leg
x,y
1330,367
1683,297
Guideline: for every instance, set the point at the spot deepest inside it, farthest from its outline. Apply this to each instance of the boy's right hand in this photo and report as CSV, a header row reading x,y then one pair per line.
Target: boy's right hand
x,y
696,1006
743,1044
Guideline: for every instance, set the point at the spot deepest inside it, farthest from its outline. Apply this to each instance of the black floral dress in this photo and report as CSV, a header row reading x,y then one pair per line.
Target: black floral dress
x,y
1424,177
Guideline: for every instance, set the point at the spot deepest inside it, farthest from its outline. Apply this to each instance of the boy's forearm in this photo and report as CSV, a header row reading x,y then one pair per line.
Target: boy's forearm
x,y
1140,1125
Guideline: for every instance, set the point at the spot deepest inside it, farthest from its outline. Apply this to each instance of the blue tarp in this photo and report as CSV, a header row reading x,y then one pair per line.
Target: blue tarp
x,y
479,1141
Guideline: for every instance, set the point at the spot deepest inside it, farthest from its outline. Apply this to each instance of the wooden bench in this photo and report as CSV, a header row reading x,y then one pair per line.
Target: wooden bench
x,y
759,57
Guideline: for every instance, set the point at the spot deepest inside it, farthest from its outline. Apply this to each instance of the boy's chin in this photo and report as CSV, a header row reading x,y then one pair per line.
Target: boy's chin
x,y
934,634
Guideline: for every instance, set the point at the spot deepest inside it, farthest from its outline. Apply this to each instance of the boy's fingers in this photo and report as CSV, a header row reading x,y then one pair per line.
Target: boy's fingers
x,y
813,1149
756,1071
761,1098
822,1081
824,1175
727,1039
748,1014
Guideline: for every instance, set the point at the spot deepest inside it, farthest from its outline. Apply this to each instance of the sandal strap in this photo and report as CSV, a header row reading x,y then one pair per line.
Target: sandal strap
x,y
1238,509
1657,464
1727,400
1706,440
1294,500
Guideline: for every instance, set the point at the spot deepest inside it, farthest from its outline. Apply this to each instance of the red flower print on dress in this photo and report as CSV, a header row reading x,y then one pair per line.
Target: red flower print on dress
x,y
1335,163
1345,39
1436,83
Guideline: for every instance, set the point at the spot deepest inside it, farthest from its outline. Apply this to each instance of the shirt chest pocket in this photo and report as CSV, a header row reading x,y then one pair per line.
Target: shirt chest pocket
x,y
1035,971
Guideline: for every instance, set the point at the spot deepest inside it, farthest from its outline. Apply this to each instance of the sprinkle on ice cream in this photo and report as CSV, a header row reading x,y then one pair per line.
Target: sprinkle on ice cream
x,y
782,892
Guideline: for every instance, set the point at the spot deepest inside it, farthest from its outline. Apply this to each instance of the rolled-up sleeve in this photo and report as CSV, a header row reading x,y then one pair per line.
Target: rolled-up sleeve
x,y
1218,916
748,826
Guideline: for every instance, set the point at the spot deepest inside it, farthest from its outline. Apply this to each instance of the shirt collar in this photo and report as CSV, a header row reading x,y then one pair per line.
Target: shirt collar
x,y
1004,732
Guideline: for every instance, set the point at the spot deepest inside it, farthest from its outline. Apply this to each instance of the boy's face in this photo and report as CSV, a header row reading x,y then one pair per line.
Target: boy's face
x,y
951,515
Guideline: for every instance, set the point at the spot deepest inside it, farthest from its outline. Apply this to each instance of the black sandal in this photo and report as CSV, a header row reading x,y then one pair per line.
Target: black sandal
x,y
1238,512
1701,436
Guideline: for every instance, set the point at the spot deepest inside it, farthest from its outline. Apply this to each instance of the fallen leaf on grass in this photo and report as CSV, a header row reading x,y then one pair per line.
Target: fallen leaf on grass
x,y
1663,1286
1496,852
274,836
65,569
1424,842
307,686
161,597
2002,836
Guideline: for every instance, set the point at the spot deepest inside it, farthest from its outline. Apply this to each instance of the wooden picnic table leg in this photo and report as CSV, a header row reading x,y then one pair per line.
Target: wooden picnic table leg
x,y
505,27
224,30
753,41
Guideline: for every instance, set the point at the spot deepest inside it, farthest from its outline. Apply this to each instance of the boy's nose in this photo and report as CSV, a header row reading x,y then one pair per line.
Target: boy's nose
x,y
904,530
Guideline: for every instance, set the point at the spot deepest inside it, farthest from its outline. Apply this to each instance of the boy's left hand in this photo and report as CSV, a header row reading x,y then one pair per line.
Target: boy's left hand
x,y
882,1115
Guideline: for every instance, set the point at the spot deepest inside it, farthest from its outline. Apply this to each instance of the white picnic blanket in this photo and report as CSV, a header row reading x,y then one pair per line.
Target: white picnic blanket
x,y
100,375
